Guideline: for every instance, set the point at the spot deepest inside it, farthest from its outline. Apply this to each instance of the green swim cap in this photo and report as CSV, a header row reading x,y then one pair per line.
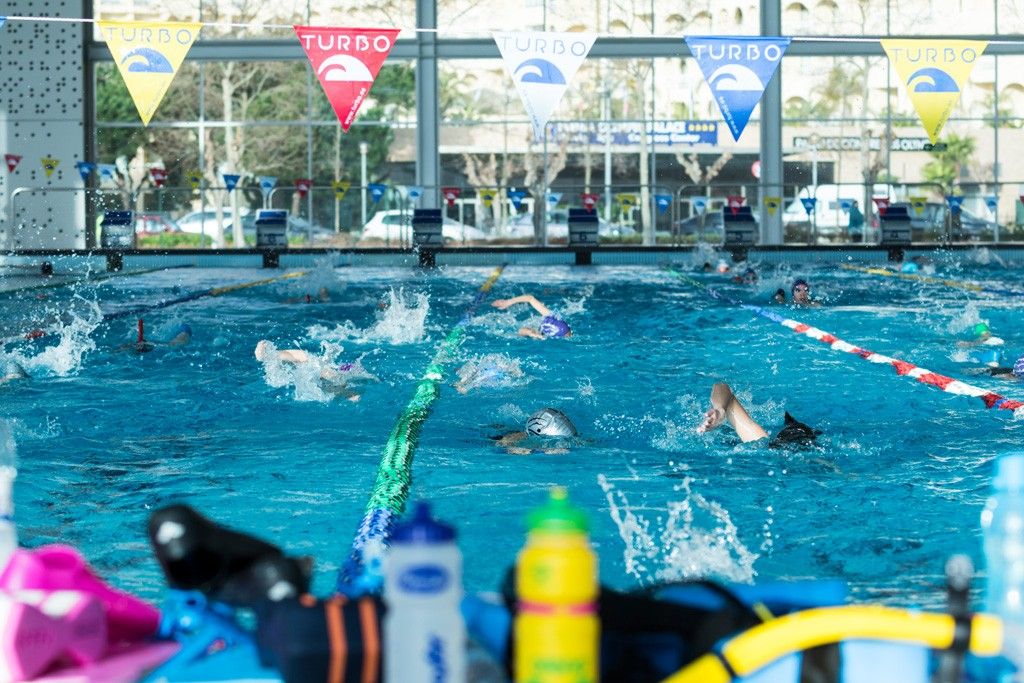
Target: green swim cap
x,y
980,329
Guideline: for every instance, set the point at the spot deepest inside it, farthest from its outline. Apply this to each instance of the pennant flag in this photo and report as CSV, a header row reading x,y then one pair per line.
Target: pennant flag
x,y
589,200
918,204
541,65
933,72
267,183
663,202
340,188
85,169
12,161
377,191
992,201
3,20
450,194
954,202
772,204
159,176
346,62
303,185
49,165
809,204
107,171
553,198
699,204
231,180
148,54
413,192
737,69
882,203
735,202
517,197
845,204
626,199
194,178
488,196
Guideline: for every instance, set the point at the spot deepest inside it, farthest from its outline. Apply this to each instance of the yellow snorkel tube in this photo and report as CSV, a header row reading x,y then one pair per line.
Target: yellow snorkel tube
x,y
763,644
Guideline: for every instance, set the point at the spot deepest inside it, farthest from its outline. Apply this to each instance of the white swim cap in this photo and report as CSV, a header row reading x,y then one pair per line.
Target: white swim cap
x,y
550,422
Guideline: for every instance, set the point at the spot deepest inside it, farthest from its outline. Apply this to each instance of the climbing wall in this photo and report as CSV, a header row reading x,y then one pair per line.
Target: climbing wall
x,y
42,116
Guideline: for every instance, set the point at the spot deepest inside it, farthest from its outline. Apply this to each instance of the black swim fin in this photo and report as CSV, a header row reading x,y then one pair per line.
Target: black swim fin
x,y
794,433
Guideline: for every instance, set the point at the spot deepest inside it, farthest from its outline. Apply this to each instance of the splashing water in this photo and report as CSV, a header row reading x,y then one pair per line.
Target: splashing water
x,y
321,379
492,371
685,548
983,256
402,321
576,306
587,392
73,331
965,319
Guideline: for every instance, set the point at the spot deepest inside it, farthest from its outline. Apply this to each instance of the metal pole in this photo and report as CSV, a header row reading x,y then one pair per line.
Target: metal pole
x,y
364,147
771,129
428,154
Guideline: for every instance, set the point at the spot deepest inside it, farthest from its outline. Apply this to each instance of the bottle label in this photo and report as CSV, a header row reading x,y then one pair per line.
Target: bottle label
x,y
423,579
436,660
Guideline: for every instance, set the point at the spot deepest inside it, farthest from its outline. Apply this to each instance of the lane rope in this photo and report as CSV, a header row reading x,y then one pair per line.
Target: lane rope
x,y
902,367
956,284
394,474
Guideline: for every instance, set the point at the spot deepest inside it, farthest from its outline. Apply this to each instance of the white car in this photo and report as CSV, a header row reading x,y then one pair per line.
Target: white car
x,y
395,227
197,222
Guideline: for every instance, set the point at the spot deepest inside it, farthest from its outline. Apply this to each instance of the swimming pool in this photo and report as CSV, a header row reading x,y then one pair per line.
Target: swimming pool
x,y
897,484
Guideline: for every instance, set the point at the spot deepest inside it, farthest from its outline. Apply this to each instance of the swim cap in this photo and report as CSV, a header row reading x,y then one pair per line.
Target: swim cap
x,y
1018,368
909,267
552,326
13,370
980,329
550,422
798,282
183,328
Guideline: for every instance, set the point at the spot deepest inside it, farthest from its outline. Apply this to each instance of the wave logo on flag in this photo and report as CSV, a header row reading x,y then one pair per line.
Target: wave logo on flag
x,y
772,204
516,197
12,161
553,199
413,192
303,186
340,188
662,201
845,203
159,176
107,171
735,201
809,203
699,204
626,199
955,202
194,178
49,165
934,72
589,200
377,191
148,55
450,194
737,69
542,65
231,180
266,183
992,202
918,204
487,195
346,62
85,169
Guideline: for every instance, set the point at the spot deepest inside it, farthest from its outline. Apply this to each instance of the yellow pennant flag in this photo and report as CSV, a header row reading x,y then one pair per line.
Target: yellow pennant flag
x,y
488,197
626,199
341,188
148,54
772,204
918,204
934,72
195,179
49,165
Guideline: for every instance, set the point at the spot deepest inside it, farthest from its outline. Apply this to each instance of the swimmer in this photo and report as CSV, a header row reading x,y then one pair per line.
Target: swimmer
x,y
333,375
725,406
802,293
182,335
550,327
12,372
707,267
1014,374
749,277
722,267
547,423
982,337
323,296
489,371
779,297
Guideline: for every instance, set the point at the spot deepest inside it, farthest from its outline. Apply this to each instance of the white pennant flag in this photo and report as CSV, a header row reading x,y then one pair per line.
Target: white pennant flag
x,y
542,64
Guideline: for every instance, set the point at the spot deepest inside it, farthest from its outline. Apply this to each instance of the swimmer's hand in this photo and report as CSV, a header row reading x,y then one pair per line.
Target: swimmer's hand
x,y
712,418
503,303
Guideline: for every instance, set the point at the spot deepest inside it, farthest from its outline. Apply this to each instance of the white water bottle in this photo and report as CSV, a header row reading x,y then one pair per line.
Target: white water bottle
x,y
8,470
1002,522
424,635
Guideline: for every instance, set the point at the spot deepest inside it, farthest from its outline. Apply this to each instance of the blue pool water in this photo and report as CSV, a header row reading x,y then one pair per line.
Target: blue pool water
x,y
896,486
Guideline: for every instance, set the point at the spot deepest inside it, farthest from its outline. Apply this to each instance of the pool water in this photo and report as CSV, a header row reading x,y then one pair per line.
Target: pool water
x,y
895,486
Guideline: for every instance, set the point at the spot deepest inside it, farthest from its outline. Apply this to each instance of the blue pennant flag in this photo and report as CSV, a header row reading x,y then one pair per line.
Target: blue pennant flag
x,y
107,171
553,199
3,20
377,191
414,192
85,169
991,201
517,197
231,180
954,201
808,203
267,183
845,204
662,201
699,204
737,69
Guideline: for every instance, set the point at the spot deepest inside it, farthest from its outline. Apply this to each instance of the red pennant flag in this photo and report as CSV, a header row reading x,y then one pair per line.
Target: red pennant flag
x,y
450,195
12,161
589,200
302,186
882,203
735,202
159,176
346,61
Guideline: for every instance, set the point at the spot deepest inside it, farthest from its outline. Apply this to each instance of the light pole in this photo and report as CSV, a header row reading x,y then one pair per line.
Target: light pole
x,y
814,140
364,148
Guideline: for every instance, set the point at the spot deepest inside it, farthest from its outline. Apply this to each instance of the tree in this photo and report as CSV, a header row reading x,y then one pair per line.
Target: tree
x,y
949,161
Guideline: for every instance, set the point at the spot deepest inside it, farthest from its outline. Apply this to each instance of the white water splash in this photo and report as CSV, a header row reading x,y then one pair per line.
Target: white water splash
x,y
319,379
983,256
576,306
698,540
965,319
403,320
492,371
587,392
81,318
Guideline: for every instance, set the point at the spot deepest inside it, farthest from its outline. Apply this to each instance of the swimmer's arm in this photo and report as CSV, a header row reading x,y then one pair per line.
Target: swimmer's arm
x,y
523,299
530,332
722,399
293,356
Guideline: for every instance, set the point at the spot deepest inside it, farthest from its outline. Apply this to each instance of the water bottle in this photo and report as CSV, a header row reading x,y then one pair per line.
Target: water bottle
x,y
1002,522
424,635
556,628
8,532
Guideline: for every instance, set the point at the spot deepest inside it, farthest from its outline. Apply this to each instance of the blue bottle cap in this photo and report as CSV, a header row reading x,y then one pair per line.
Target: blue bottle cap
x,y
1009,473
422,528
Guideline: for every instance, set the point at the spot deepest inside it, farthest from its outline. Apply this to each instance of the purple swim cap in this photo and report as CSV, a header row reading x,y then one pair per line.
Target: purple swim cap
x,y
554,327
1018,368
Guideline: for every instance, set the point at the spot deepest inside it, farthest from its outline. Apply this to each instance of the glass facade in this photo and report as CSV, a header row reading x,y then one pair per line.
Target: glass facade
x,y
633,126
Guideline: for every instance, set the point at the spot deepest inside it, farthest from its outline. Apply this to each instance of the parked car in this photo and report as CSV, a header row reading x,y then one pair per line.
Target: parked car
x,y
196,222
930,223
395,227
154,223
521,226
706,223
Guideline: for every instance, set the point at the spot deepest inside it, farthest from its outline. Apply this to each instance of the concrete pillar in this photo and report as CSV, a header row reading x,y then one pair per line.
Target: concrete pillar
x,y
42,105
771,131
428,142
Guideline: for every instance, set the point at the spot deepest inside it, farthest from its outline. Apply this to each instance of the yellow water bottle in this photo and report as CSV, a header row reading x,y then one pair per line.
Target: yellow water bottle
x,y
556,631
